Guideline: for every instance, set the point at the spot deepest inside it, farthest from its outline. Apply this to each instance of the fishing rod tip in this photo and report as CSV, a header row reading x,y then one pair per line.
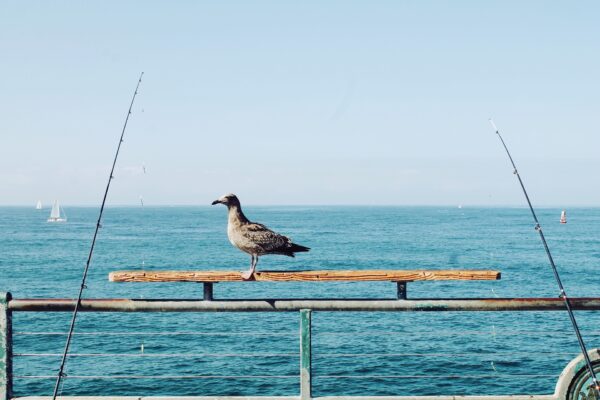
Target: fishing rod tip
x,y
493,124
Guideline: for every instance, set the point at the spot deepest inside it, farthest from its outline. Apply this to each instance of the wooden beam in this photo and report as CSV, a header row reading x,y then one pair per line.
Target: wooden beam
x,y
287,276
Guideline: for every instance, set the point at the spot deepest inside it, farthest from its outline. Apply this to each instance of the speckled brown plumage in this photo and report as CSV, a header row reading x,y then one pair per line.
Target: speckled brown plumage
x,y
253,238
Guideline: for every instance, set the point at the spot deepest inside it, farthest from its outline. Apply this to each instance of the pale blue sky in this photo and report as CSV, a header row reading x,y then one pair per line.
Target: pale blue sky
x,y
321,102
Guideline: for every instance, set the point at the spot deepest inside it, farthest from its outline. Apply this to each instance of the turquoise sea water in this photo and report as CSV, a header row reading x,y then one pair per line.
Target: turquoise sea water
x,y
354,353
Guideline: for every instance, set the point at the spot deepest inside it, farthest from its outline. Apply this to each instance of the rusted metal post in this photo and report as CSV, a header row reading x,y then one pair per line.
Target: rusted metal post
x,y
305,355
401,290
5,348
208,291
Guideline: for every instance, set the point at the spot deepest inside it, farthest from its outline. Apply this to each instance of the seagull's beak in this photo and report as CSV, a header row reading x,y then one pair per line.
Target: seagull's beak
x,y
215,202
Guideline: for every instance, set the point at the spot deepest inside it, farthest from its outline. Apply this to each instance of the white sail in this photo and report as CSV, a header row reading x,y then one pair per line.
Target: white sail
x,y
38,206
563,217
55,213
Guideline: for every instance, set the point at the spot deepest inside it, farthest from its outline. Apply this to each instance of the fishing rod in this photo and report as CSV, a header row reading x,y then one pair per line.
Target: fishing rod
x,y
61,373
563,293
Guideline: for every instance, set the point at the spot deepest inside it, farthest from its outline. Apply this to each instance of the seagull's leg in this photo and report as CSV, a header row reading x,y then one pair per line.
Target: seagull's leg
x,y
248,274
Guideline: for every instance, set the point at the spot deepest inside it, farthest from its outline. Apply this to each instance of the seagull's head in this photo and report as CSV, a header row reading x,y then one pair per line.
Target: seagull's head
x,y
228,199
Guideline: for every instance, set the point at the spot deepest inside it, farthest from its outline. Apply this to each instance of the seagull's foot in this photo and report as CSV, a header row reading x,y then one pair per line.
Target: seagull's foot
x,y
246,275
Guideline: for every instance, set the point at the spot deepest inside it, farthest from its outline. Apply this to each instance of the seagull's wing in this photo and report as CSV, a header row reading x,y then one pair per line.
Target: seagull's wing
x,y
268,240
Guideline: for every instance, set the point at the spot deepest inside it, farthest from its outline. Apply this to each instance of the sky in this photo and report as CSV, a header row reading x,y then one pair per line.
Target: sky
x,y
308,103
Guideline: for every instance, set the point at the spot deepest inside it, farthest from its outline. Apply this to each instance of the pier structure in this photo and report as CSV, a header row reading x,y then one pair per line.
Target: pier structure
x,y
572,384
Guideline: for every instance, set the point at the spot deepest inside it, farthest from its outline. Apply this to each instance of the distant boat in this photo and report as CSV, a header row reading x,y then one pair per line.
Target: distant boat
x,y
38,206
55,213
563,217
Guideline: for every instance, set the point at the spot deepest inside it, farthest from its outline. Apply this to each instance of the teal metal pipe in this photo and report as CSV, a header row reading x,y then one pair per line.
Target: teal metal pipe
x,y
5,347
305,355
295,305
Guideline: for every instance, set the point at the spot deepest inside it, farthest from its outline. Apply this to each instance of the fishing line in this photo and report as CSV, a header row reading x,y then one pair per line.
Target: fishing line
x,y
143,168
61,370
562,294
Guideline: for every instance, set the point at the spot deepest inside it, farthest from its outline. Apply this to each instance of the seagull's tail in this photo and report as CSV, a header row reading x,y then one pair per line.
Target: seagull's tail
x,y
296,248
290,249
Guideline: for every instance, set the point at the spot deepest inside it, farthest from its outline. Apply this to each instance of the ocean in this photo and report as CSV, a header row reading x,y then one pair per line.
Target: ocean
x,y
354,353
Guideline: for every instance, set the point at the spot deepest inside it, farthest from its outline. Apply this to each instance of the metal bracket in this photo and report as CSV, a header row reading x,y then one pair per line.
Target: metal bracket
x,y
401,290
208,291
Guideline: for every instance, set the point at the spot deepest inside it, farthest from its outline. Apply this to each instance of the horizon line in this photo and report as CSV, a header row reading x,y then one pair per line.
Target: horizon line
x,y
458,206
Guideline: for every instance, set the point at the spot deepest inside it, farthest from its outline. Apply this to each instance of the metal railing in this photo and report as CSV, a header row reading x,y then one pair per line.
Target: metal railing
x,y
569,386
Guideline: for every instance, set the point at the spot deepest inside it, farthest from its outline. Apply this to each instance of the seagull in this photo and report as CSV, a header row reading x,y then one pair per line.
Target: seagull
x,y
253,238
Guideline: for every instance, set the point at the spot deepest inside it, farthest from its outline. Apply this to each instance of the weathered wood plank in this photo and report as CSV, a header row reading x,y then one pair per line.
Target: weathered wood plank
x,y
287,276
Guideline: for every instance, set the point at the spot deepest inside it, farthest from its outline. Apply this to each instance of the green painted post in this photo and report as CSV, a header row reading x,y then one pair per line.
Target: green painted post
x,y
305,356
5,348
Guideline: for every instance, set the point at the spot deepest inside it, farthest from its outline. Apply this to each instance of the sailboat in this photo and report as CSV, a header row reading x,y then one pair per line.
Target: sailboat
x,y
38,206
55,213
563,217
